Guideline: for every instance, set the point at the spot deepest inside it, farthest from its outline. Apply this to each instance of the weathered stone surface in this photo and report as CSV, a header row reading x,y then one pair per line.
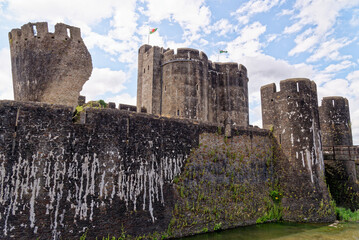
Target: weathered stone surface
x,y
130,173
49,67
292,115
186,84
335,122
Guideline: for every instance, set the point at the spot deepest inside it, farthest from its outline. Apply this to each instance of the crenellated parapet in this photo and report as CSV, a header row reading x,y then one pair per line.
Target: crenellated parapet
x,y
185,84
49,67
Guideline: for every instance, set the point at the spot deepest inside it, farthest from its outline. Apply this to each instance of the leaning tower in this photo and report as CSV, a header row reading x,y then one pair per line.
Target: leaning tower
x,y
48,67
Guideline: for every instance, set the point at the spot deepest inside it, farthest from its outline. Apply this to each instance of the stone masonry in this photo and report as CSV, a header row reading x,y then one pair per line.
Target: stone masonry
x,y
340,156
292,115
187,85
49,67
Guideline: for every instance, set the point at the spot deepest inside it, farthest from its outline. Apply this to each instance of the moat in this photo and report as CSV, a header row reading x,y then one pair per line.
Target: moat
x,y
285,231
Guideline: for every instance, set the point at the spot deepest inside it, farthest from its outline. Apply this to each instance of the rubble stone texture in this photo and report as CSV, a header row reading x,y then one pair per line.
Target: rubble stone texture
x,y
49,67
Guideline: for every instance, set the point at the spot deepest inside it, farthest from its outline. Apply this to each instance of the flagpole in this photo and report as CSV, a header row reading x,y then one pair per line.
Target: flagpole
x,y
148,36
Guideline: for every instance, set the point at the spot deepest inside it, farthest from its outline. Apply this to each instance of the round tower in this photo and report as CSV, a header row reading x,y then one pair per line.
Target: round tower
x,y
48,67
292,115
184,84
335,122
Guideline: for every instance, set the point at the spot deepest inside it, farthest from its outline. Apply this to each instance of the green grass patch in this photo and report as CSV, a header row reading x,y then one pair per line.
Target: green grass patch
x,y
346,215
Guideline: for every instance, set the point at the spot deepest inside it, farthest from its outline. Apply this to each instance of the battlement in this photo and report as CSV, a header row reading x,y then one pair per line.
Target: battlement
x,y
335,102
184,54
292,88
48,67
40,30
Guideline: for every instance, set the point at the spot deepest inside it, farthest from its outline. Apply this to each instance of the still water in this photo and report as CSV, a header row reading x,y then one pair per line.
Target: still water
x,y
285,231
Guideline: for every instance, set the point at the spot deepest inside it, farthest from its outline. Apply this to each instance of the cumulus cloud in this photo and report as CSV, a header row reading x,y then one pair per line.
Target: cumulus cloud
x,y
122,98
320,16
222,27
6,90
252,7
104,80
192,15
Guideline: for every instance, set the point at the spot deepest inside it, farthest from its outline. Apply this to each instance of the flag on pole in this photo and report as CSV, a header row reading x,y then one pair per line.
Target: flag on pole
x,y
223,51
153,30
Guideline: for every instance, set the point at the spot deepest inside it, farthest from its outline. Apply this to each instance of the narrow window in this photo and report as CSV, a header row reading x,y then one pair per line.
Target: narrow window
x,y
333,102
297,86
165,88
280,138
68,32
197,87
144,70
34,30
177,112
148,67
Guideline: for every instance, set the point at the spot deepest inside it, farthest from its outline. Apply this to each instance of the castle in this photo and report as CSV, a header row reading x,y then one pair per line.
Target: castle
x,y
188,85
192,162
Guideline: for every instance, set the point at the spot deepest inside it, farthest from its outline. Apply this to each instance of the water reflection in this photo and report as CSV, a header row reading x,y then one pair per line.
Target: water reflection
x,y
286,231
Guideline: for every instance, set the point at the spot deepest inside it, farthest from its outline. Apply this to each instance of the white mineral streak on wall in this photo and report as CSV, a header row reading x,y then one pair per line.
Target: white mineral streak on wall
x,y
43,177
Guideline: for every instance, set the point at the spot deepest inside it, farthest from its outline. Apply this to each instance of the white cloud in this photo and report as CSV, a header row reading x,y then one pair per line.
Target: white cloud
x,y
122,98
354,21
192,15
252,7
285,12
330,50
222,27
75,12
102,81
334,68
247,43
321,15
6,90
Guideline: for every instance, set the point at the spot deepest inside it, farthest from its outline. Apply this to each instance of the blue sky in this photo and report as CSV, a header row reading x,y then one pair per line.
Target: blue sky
x,y
274,39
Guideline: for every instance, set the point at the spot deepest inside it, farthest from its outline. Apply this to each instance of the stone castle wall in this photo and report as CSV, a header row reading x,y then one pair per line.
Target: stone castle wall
x,y
136,174
48,67
186,84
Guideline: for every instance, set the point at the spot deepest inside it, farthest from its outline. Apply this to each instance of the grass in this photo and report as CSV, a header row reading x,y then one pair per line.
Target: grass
x,y
346,215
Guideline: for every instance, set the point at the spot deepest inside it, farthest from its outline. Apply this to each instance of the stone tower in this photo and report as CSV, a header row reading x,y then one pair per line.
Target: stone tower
x,y
292,115
335,122
186,84
48,67
339,152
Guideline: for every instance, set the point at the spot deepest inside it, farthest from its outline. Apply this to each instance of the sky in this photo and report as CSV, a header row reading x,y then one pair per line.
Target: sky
x,y
274,39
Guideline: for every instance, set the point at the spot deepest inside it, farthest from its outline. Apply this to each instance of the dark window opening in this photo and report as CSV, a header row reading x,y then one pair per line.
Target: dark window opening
x,y
197,87
165,88
280,138
271,100
148,67
144,70
178,112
